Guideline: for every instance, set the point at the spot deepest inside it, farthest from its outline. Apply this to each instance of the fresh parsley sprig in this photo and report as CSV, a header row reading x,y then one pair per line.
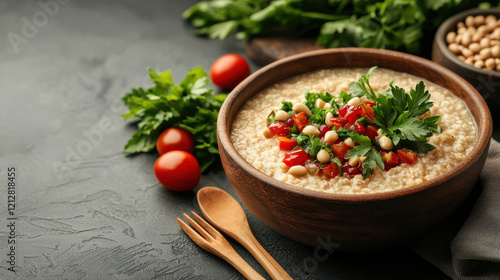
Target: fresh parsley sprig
x,y
190,105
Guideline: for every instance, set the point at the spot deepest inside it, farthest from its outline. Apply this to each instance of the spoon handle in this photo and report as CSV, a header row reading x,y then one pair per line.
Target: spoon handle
x,y
246,238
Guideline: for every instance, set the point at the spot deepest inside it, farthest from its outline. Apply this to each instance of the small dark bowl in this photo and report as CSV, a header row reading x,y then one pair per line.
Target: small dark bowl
x,y
353,222
486,82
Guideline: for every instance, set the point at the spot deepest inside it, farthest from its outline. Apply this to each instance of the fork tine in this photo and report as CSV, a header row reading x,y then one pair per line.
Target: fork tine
x,y
189,231
208,227
198,228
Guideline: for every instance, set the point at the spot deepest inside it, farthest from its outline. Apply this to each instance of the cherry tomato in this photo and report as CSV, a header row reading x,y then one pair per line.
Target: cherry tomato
x,y
175,138
177,171
229,70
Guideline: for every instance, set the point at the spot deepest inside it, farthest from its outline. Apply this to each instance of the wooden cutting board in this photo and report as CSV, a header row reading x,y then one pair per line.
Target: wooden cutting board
x,y
265,50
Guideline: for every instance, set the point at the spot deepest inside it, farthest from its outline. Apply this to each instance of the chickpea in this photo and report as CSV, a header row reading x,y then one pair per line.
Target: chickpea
x,y
476,37
297,171
460,24
450,37
469,21
490,63
268,133
323,156
458,39
469,60
349,142
461,30
319,103
479,64
479,20
355,101
497,60
475,47
453,48
330,137
354,161
301,107
495,51
310,129
495,34
490,19
327,106
466,39
283,166
485,53
461,57
282,116
467,53
385,143
328,117
485,42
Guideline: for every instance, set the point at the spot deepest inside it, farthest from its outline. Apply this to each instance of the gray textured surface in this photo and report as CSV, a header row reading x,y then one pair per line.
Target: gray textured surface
x,y
85,210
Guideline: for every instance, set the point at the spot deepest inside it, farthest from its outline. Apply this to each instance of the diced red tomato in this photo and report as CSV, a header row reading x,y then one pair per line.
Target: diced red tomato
x,y
279,128
300,120
287,144
370,103
338,122
390,159
352,170
290,122
340,150
353,113
408,157
323,129
295,157
312,165
343,110
366,110
331,170
371,132
358,127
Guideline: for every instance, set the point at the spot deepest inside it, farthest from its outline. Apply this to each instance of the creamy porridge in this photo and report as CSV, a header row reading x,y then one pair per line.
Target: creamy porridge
x,y
453,144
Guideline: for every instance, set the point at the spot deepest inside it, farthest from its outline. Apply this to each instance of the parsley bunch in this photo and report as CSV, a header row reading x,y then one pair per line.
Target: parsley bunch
x,y
391,24
189,105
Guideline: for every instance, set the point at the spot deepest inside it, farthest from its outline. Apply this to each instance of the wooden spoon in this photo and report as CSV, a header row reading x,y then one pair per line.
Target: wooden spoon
x,y
226,214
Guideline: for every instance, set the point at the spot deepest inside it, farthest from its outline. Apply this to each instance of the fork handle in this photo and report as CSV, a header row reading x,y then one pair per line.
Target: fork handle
x,y
246,238
242,266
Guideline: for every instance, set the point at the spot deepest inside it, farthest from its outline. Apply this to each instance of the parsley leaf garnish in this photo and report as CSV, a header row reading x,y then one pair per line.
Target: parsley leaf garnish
x,y
189,105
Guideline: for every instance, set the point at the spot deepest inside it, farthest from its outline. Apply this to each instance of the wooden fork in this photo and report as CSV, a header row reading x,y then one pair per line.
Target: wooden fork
x,y
214,242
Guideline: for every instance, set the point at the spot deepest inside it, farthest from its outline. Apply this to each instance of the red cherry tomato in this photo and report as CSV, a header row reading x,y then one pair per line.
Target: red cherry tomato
x,y
286,144
279,128
178,171
175,138
229,70
296,157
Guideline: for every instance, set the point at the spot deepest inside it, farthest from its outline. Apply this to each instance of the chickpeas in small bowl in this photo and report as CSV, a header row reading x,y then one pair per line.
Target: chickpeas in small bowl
x,y
468,43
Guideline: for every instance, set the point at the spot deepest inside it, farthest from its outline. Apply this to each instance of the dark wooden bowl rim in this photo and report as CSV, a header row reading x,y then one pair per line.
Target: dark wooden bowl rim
x,y
450,25
483,134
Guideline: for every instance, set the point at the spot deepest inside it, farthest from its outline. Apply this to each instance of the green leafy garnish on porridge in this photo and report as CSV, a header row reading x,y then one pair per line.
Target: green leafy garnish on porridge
x,y
356,131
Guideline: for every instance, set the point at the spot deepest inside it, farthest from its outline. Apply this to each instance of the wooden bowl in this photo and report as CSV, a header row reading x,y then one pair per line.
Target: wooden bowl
x,y
485,81
352,222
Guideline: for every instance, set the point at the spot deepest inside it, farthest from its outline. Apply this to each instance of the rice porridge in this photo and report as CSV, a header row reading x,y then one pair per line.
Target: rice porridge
x,y
453,144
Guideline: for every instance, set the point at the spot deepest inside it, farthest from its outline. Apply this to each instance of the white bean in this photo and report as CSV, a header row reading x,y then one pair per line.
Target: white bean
x,y
466,39
297,171
385,143
469,21
478,20
327,106
355,101
354,161
475,47
485,42
328,116
310,129
453,48
319,103
323,156
282,116
479,64
301,108
489,63
467,53
330,137
349,142
495,51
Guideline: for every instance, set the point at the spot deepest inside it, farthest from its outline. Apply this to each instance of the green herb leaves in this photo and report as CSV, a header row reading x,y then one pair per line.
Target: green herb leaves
x,y
190,105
